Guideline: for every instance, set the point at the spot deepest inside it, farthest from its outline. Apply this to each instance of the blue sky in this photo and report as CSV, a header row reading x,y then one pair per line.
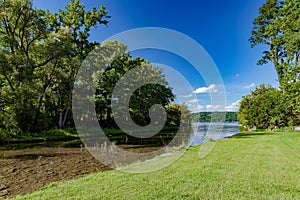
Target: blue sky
x,y
221,27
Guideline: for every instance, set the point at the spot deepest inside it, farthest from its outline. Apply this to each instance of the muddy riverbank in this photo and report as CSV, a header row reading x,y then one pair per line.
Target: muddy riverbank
x,y
27,170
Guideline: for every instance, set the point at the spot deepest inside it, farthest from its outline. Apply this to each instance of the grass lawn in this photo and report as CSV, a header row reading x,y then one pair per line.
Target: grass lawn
x,y
250,166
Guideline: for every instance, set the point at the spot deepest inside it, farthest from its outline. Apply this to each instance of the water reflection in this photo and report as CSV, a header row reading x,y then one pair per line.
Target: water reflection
x,y
202,131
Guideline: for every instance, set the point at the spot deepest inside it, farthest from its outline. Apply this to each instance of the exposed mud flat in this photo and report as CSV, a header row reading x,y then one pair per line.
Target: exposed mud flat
x,y
27,170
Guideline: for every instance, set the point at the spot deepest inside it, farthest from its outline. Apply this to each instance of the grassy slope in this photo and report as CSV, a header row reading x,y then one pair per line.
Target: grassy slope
x,y
253,166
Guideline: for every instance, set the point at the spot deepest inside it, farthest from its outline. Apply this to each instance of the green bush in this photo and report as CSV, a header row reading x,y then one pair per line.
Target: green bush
x,y
270,108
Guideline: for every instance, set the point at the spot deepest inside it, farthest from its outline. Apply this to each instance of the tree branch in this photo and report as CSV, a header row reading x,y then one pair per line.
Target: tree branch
x,y
10,84
45,62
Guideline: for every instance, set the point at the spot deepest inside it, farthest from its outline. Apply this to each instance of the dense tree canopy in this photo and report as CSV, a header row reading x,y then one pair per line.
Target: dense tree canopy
x,y
143,97
268,108
278,27
40,55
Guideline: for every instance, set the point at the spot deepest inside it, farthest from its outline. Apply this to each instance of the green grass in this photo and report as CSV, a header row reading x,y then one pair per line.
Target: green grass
x,y
51,135
250,166
51,138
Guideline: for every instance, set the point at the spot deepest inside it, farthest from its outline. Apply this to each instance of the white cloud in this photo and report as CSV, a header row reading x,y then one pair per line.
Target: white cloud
x,y
211,88
237,75
252,85
213,107
233,107
229,108
198,108
192,101
186,96
208,107
193,106
236,103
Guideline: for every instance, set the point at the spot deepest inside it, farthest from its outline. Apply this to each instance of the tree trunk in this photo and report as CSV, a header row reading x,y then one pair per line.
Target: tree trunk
x,y
64,118
60,122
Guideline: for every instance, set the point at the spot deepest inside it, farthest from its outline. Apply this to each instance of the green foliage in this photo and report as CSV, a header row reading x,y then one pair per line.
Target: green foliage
x,y
291,103
177,114
277,26
143,98
267,107
207,116
40,54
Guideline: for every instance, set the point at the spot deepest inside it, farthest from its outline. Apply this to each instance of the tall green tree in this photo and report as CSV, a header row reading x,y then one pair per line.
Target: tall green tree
x,y
142,98
28,48
79,22
40,53
277,27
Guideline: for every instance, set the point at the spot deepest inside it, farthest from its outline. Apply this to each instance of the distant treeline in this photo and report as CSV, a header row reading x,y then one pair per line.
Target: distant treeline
x,y
215,116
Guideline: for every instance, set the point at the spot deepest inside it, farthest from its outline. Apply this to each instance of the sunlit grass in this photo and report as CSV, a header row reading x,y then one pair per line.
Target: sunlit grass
x,y
253,166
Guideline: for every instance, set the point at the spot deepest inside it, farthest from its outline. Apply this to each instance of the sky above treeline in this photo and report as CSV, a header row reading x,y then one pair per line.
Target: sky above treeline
x,y
222,28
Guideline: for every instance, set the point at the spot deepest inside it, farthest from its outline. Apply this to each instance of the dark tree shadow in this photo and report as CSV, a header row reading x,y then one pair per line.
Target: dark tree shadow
x,y
250,134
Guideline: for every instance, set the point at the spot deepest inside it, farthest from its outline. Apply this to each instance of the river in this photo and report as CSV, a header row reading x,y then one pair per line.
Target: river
x,y
214,130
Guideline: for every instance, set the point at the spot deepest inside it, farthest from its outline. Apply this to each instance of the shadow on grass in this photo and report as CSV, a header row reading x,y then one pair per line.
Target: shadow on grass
x,y
249,134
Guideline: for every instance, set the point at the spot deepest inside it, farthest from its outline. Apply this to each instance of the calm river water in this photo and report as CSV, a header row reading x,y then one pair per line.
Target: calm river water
x,y
214,130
